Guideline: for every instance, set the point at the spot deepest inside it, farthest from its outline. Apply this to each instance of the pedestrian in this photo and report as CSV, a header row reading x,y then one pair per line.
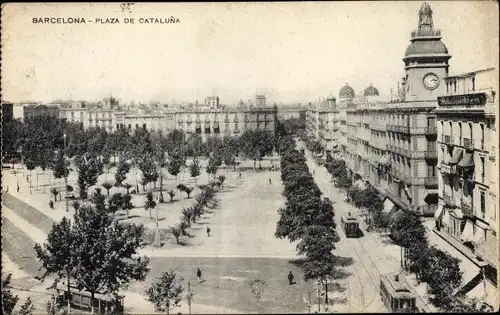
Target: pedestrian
x,y
208,231
239,174
17,186
314,172
7,190
290,277
198,274
270,182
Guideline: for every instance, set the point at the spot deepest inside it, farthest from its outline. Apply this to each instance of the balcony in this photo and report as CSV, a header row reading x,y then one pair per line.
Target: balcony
x,y
430,130
448,200
467,209
447,140
405,152
468,143
392,128
430,182
431,153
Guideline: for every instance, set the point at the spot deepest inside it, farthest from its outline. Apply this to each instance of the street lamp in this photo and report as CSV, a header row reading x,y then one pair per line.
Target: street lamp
x,y
66,171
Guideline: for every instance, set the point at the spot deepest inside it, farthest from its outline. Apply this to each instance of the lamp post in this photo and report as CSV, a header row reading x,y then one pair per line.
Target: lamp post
x,y
65,175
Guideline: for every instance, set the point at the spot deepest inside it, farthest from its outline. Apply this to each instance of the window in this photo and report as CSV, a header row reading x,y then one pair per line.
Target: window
x,y
455,85
473,83
129,126
447,87
483,205
136,126
482,169
144,126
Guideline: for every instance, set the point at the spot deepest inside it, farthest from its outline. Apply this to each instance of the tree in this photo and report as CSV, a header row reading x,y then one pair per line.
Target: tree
x,y
175,163
88,173
121,172
75,204
442,273
27,308
105,252
60,166
171,193
56,255
127,186
9,300
165,293
194,168
127,204
188,191
176,232
115,203
54,192
408,232
149,170
107,186
149,204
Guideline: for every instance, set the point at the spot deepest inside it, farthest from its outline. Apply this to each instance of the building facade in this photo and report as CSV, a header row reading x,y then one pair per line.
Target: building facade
x,y
202,120
322,122
468,209
7,112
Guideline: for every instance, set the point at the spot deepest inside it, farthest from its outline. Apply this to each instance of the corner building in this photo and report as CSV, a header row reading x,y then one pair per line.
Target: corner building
x,y
393,145
468,209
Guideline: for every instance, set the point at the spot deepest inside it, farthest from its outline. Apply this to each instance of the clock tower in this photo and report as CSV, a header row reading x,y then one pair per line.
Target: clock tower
x,y
426,61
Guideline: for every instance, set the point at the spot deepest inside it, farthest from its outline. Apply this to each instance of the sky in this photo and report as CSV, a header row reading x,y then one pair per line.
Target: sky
x,y
291,52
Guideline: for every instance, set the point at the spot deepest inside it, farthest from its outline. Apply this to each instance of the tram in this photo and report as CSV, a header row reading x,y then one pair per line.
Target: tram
x,y
350,225
396,295
103,304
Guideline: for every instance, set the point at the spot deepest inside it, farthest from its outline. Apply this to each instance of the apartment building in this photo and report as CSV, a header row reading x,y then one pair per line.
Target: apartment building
x,y
467,176
322,122
204,120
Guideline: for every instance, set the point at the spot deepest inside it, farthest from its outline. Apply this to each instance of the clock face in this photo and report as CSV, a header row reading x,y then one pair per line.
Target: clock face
x,y
431,81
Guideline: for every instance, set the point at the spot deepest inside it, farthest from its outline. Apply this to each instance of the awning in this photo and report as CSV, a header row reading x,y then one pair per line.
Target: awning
x,y
457,157
468,232
439,212
467,161
478,236
446,157
431,198
457,213
446,218
388,205
385,159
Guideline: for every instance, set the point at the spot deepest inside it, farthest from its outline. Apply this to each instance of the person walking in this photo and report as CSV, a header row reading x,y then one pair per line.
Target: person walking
x,y
270,182
208,231
198,274
239,173
290,277
17,186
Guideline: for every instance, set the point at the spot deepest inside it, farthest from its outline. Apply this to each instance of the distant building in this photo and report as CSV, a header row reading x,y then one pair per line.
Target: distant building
x,y
212,101
260,100
7,112
322,122
34,110
288,111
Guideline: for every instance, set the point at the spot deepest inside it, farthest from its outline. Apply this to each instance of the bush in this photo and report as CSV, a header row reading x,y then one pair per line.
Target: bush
x,y
51,204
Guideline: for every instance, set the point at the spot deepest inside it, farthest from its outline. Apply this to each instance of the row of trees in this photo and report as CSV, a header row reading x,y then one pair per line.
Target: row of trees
x,y
306,217
437,268
40,142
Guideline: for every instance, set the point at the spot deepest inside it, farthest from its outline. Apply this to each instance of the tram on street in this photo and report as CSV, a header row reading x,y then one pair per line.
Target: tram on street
x,y
350,225
103,304
396,295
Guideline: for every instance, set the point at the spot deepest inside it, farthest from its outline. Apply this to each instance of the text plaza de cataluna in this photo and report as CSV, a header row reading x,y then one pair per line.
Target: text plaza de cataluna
x,y
349,204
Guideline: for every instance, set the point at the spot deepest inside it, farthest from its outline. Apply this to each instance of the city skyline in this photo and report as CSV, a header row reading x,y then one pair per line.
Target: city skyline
x,y
232,49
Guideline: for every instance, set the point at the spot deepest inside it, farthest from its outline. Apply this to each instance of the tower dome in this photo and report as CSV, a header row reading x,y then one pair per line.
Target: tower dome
x,y
371,91
425,41
346,92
